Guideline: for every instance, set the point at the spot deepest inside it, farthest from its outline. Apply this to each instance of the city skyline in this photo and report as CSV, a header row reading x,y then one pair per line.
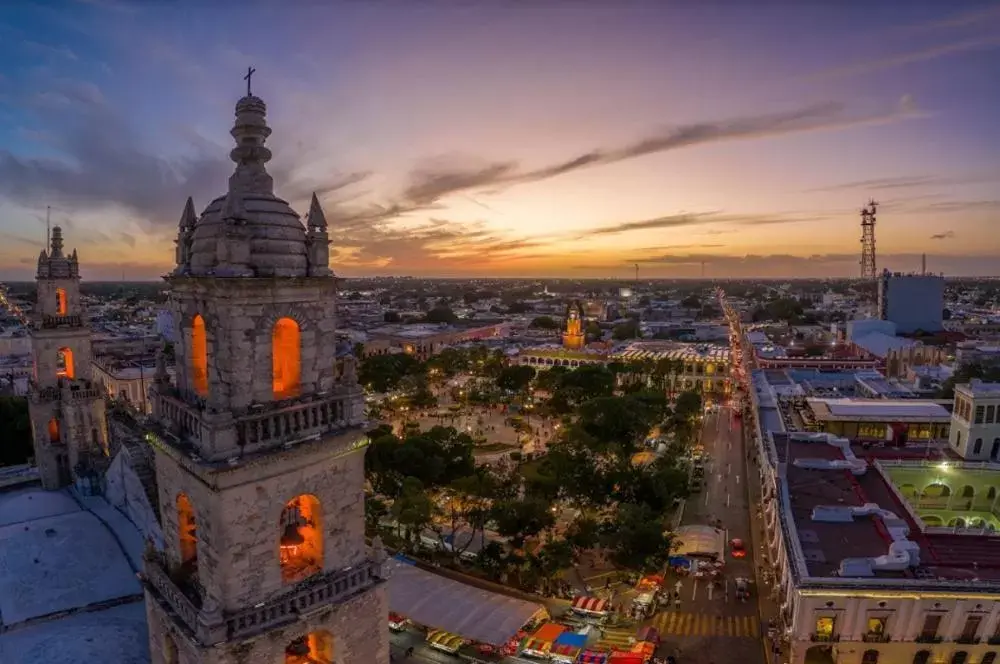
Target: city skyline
x,y
558,142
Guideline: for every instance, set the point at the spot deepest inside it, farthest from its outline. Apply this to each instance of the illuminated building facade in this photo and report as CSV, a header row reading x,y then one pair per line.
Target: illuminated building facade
x,y
259,445
878,554
69,428
574,338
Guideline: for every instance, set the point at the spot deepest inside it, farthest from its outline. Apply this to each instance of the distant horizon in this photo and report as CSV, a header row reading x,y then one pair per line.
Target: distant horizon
x,y
510,139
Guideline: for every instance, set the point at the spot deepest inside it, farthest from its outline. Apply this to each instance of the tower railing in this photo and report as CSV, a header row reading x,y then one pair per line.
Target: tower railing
x,y
322,590
52,322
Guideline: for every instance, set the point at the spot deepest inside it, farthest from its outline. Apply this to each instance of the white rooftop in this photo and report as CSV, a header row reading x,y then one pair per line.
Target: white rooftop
x,y
978,388
882,408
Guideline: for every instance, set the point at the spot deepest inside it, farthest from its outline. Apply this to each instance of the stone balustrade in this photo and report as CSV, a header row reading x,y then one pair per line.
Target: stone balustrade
x,y
276,423
318,591
159,581
53,322
78,391
314,593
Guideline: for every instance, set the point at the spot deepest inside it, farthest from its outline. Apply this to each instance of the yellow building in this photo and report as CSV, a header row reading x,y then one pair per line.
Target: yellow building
x,y
574,337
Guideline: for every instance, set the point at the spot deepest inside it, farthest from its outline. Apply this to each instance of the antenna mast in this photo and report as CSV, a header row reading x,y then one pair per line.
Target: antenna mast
x,y
868,267
48,227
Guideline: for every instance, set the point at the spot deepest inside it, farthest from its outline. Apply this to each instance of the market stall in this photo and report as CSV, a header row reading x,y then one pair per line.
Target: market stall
x,y
567,647
540,643
593,657
591,607
397,623
444,641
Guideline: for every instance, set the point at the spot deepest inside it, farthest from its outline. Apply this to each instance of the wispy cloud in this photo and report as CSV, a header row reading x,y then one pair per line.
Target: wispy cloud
x,y
902,59
946,235
900,182
701,218
429,185
966,19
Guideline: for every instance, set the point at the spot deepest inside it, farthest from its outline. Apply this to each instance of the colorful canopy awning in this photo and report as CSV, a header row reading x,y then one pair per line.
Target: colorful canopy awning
x,y
591,604
445,639
647,633
537,645
593,657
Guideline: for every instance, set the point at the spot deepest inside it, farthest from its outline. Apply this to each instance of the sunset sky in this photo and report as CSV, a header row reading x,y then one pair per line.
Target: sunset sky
x,y
504,139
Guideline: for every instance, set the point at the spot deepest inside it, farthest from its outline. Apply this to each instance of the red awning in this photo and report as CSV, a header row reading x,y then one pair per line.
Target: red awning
x,y
591,604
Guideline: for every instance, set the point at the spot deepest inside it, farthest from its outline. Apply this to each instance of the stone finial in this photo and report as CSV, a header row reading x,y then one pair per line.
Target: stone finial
x,y
161,375
316,220
350,370
188,216
57,243
42,257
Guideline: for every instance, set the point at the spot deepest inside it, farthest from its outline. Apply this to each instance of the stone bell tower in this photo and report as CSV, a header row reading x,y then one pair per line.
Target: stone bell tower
x,y
260,445
68,424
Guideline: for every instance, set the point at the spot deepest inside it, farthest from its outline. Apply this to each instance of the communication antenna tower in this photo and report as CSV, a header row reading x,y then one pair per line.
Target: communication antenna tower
x,y
48,227
868,269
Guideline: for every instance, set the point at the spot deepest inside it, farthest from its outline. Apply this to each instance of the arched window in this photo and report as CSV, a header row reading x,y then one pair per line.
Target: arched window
x,y
313,648
870,657
922,657
187,534
988,658
961,657
978,446
300,545
64,363
199,356
53,430
61,308
286,351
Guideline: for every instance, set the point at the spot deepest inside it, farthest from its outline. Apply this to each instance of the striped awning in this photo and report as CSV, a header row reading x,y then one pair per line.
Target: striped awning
x,y
445,639
590,604
537,645
593,657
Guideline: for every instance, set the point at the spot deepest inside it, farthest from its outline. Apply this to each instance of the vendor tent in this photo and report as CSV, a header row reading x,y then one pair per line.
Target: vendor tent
x,y
648,633
567,646
541,642
593,657
440,602
594,605
445,641
699,541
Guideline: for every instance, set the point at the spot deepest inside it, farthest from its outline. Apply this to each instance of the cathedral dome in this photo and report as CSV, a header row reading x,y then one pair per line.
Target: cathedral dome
x,y
248,231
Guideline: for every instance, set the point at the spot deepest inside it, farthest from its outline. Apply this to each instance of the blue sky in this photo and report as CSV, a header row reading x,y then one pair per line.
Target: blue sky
x,y
575,139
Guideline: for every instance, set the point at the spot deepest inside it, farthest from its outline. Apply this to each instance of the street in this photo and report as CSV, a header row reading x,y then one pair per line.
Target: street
x,y
710,622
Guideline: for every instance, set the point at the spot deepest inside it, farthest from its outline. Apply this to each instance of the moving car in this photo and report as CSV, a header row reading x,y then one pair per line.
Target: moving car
x,y
737,549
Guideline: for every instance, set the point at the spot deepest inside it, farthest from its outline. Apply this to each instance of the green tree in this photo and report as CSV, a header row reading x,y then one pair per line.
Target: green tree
x,y
545,323
515,378
521,519
413,509
636,538
383,373
441,314
624,331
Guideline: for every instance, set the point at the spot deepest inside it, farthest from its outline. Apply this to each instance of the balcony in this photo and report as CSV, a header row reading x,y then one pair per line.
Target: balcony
x,y
875,638
159,581
316,592
824,638
54,322
78,391
278,422
929,638
968,640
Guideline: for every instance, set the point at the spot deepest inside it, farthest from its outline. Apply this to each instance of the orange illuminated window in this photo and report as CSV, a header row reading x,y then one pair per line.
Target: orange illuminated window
x,y
199,356
53,430
187,533
60,302
313,648
64,363
300,547
286,353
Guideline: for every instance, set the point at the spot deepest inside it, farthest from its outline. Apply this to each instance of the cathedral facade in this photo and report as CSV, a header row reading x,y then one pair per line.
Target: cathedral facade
x,y
259,445
68,423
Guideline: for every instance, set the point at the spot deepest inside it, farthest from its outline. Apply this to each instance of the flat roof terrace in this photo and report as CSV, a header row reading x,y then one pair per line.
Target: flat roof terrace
x,y
819,479
878,410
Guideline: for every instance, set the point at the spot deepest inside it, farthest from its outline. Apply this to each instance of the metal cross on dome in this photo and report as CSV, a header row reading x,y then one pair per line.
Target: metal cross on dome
x,y
250,72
